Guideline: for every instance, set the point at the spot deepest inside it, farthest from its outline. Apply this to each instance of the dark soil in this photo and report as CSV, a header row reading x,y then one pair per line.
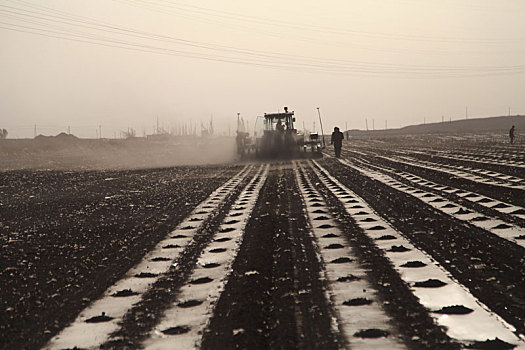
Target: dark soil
x,y
412,320
283,305
65,237
503,169
144,315
504,194
492,268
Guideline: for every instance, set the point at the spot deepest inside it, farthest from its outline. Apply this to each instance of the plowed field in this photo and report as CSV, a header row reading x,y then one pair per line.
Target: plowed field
x,y
397,245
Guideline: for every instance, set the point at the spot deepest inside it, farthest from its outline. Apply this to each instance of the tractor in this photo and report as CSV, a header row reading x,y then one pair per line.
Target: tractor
x,y
277,137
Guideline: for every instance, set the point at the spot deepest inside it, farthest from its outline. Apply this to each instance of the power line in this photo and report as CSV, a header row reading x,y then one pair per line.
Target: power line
x,y
315,28
44,21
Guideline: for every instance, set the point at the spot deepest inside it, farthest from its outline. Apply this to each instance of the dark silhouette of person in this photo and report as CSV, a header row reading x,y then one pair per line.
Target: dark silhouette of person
x,y
512,135
337,141
279,126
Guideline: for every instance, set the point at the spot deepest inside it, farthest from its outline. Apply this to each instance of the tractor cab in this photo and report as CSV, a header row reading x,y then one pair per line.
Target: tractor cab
x,y
279,122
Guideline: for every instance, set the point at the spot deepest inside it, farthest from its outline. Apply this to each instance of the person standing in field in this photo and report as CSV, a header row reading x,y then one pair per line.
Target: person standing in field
x,y
511,135
337,141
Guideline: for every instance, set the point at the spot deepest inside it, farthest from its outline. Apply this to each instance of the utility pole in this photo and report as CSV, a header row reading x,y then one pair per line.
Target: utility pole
x,y
69,130
373,124
321,124
100,131
424,120
35,131
366,122
509,111
442,118
386,125
466,112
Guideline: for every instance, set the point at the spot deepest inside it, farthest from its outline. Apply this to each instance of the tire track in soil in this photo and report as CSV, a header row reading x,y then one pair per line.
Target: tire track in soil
x,y
450,304
491,268
137,323
275,280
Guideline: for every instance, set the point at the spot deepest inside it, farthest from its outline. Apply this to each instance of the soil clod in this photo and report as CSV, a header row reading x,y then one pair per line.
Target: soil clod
x,y
218,250
357,302
171,246
430,283
100,318
501,226
491,344
146,275
334,246
326,226
211,265
414,264
189,303
386,238
160,258
377,228
398,249
202,280
124,293
454,310
371,333
349,278
330,235
176,330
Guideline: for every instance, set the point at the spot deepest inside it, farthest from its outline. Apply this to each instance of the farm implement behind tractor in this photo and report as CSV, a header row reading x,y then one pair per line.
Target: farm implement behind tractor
x,y
276,137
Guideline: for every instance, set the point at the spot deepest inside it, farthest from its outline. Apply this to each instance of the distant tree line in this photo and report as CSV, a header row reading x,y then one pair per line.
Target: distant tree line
x,y
3,134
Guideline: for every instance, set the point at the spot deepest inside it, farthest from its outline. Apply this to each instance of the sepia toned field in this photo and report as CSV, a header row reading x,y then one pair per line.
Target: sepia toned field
x,y
401,244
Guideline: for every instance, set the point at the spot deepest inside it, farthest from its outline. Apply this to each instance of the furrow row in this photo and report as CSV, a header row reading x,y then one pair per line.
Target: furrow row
x,y
493,207
359,313
475,175
495,226
484,158
94,325
185,320
451,305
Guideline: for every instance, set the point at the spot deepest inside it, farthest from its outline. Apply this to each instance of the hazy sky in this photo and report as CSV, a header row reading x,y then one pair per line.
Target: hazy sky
x,y
120,63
